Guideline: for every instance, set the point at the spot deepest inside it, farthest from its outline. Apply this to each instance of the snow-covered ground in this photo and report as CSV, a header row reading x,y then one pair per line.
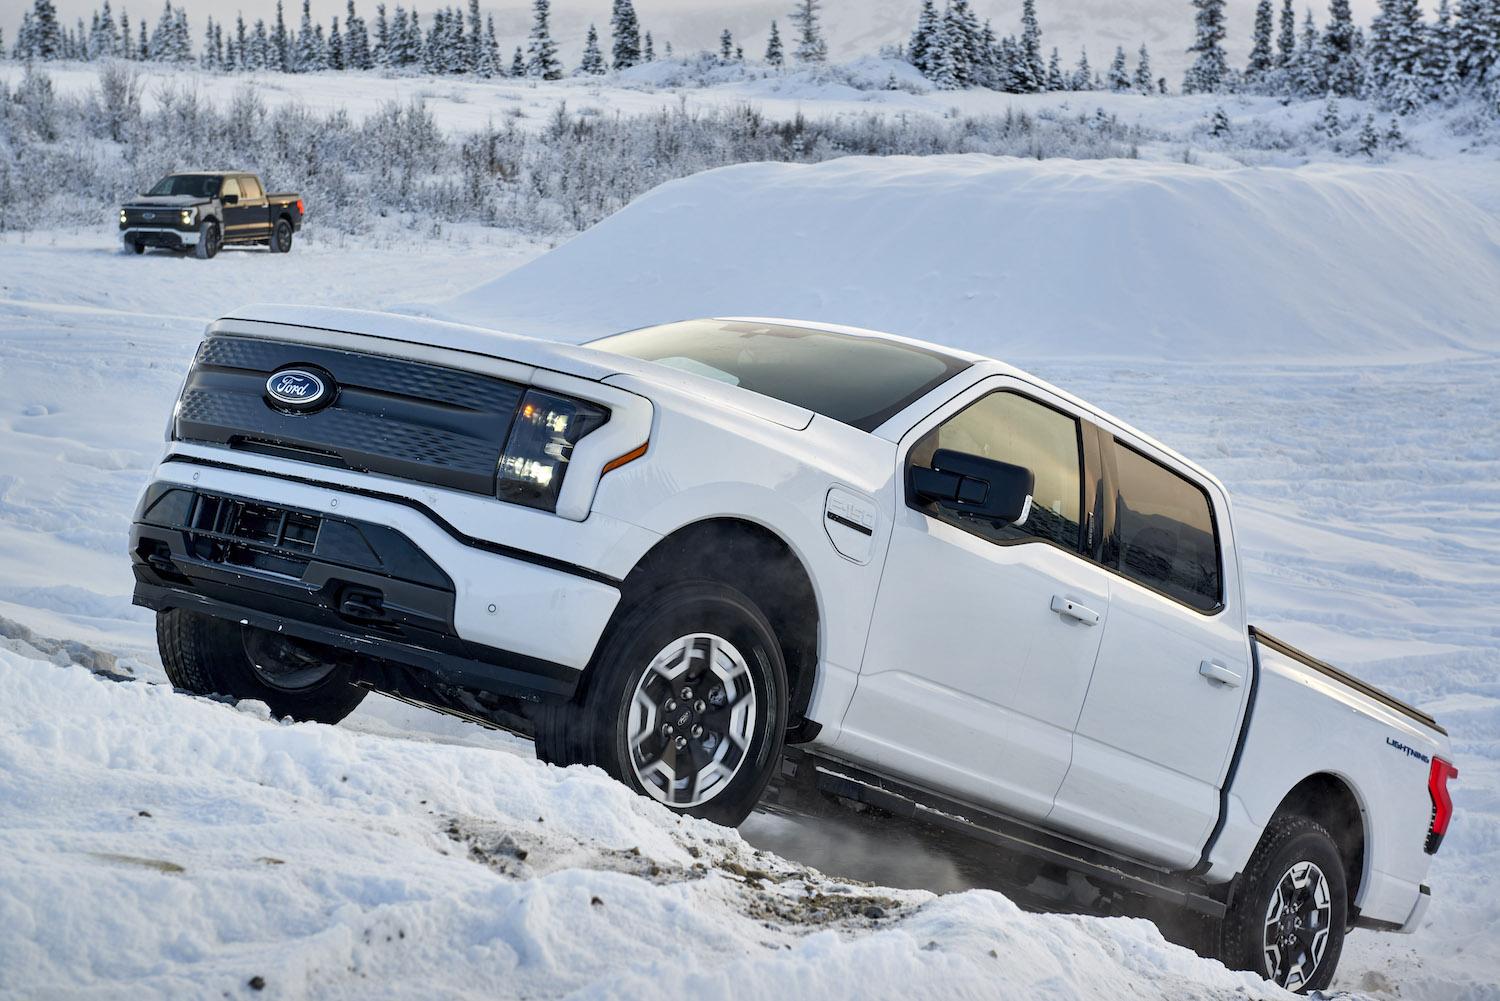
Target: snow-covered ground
x,y
163,846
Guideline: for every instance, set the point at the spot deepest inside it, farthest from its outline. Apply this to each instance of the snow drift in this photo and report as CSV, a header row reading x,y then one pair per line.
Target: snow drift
x,y
1025,259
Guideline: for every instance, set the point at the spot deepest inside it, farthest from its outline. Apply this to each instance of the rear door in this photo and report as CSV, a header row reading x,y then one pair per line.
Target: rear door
x,y
1171,683
253,219
234,214
984,636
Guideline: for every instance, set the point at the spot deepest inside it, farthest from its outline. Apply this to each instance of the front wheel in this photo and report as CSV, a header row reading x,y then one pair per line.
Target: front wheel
x,y
208,656
1289,909
208,240
686,703
281,237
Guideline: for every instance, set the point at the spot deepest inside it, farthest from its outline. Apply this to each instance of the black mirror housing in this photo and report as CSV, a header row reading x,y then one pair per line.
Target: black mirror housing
x,y
969,484
230,199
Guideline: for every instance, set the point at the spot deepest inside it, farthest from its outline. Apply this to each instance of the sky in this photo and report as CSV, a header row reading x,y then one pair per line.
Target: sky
x,y
854,27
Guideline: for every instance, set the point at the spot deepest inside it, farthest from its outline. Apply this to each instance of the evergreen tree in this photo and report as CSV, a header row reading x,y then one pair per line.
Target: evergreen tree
x,y
1477,25
1218,123
648,48
1329,122
1441,60
209,60
1260,48
1083,77
1209,70
1119,76
144,49
1341,54
1398,42
474,43
625,27
306,56
104,41
357,54
518,63
240,43
489,52
1055,79
1394,138
382,52
1311,67
775,54
942,58
1031,73
125,44
593,59
43,36
1142,79
919,49
259,56
811,46
338,55
541,53
280,56
726,45
1286,37
1369,138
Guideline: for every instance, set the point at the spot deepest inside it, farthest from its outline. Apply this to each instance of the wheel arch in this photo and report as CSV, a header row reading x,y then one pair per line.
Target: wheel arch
x,y
1333,801
763,565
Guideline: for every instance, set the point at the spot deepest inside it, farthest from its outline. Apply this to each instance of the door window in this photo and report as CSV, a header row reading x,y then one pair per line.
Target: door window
x,y
1008,427
1167,537
231,187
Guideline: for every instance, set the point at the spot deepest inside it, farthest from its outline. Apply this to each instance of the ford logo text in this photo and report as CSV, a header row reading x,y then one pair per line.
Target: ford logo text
x,y
297,389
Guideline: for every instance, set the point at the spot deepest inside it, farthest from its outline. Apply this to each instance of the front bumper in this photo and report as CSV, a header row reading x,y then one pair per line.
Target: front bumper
x,y
365,575
160,236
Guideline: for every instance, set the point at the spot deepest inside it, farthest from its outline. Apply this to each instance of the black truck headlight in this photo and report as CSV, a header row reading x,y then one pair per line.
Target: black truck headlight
x,y
546,428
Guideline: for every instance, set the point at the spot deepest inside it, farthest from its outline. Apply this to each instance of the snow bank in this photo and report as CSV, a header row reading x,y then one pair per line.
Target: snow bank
x,y
164,846
1024,259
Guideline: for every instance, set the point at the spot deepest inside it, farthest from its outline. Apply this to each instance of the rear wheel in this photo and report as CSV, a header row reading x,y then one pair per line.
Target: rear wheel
x,y
1289,909
281,237
209,656
686,703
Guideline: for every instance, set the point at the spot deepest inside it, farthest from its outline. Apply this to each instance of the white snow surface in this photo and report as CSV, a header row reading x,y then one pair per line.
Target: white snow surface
x,y
1367,488
1039,259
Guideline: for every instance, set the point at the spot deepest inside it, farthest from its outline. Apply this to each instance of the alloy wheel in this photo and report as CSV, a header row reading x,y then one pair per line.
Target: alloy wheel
x,y
1297,926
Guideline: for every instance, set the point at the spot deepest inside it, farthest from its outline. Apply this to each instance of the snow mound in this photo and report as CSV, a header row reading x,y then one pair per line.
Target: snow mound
x,y
165,846
1026,259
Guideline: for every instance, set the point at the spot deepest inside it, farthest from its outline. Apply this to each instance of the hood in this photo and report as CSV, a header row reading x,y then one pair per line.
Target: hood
x,y
572,359
166,201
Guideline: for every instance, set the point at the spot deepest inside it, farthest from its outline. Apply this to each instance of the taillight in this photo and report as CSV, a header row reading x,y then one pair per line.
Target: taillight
x,y
1442,805
300,209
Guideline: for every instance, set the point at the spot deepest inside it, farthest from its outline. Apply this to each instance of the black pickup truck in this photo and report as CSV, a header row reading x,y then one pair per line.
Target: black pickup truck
x,y
204,210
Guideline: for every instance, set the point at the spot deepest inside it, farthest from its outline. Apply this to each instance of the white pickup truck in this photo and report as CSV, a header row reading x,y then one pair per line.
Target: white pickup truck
x,y
693,553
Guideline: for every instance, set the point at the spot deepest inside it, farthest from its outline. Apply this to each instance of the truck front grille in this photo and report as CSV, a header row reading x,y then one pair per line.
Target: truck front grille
x,y
381,414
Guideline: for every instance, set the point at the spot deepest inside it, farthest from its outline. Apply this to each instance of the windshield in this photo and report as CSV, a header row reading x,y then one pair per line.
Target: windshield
x,y
197,185
860,381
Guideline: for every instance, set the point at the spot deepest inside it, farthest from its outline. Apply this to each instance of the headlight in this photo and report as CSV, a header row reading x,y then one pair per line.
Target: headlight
x,y
541,442
122,217
188,215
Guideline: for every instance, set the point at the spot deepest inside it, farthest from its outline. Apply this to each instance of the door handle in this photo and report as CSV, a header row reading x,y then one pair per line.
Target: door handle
x,y
1219,674
1073,610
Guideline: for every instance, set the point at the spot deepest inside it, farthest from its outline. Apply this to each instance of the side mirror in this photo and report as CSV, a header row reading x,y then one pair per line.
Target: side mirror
x,y
230,199
984,488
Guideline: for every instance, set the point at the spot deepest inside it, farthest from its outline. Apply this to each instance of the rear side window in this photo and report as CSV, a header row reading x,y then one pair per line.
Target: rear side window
x,y
249,188
1012,428
1167,537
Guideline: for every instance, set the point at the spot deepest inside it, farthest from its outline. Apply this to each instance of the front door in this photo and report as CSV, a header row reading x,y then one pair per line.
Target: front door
x,y
984,636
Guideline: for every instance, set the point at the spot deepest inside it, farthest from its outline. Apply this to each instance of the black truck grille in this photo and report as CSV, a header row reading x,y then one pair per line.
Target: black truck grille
x,y
387,415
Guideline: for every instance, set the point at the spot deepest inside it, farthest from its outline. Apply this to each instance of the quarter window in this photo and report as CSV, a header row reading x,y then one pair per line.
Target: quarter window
x,y
1167,537
1011,428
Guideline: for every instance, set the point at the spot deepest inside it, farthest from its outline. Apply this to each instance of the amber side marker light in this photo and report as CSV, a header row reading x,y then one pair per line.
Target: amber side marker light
x,y
630,456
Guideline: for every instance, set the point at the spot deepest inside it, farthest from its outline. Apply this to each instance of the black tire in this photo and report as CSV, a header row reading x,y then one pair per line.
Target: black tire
x,y
281,237
209,656
140,248
208,240
1248,940
595,728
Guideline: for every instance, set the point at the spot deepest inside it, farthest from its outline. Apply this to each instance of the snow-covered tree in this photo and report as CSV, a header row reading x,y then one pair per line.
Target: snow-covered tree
x,y
308,54
1398,43
1119,75
929,27
1218,123
518,63
1477,24
1055,78
1394,138
1341,51
42,36
1209,69
943,67
489,51
593,59
1142,78
541,52
281,43
1083,76
1310,69
380,53
1032,74
1368,141
1286,36
1441,58
124,48
337,57
726,45
775,52
357,54
811,45
1261,59
625,27
1329,123
648,47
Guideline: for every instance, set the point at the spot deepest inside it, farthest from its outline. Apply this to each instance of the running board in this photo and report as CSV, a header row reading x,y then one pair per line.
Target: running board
x,y
1011,836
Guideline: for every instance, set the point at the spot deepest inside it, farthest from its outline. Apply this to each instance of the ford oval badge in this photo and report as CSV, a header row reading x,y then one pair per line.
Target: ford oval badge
x,y
297,389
